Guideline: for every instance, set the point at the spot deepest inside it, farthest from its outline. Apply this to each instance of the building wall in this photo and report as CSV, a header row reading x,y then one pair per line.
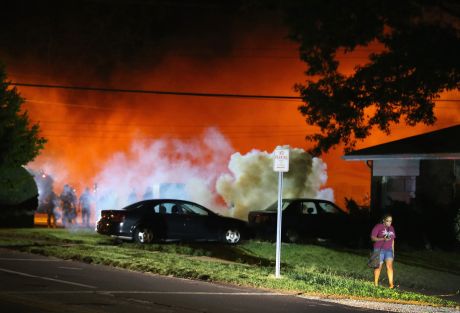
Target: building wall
x,y
436,184
393,180
423,206
437,198
376,197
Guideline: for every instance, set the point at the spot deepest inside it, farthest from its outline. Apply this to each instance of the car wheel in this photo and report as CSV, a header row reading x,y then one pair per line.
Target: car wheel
x,y
232,236
143,235
292,236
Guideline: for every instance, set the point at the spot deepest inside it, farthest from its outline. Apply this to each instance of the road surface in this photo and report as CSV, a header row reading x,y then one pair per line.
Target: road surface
x,y
34,283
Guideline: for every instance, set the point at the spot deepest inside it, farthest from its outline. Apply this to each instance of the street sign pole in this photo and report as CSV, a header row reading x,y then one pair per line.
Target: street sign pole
x,y
280,165
278,224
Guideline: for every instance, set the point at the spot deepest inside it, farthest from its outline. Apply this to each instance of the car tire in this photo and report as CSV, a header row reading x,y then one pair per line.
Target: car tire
x,y
143,235
232,236
292,236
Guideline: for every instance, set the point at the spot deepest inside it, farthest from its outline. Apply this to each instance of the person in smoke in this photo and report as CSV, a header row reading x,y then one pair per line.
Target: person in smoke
x,y
68,201
85,206
383,235
50,206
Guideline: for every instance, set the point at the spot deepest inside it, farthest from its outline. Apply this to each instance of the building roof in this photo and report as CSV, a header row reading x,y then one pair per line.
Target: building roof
x,y
440,144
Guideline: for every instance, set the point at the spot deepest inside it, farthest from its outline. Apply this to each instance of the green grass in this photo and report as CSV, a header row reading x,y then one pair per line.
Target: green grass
x,y
305,269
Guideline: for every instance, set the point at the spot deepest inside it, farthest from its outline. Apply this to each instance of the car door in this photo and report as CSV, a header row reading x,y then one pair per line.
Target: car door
x,y
291,220
174,221
198,222
310,220
334,222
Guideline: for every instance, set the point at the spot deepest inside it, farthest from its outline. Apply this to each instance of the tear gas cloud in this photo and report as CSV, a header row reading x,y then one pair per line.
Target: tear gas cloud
x,y
167,163
44,184
197,170
253,185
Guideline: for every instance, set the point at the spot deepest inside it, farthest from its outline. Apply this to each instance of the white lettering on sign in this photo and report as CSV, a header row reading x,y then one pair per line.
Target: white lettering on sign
x,y
281,160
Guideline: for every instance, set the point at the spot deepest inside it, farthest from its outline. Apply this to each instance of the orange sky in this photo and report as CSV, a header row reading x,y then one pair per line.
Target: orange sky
x,y
85,129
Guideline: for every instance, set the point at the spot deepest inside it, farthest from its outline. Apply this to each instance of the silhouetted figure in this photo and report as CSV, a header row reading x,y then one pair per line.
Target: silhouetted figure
x,y
68,200
85,206
49,204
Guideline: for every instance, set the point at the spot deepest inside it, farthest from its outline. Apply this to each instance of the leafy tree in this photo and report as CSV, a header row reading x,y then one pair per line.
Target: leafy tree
x,y
20,142
401,82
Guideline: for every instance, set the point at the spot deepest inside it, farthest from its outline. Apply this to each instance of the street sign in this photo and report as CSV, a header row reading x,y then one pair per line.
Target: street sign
x,y
280,165
281,160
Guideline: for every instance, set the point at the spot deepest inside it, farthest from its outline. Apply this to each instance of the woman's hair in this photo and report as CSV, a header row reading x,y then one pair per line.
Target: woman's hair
x,y
385,216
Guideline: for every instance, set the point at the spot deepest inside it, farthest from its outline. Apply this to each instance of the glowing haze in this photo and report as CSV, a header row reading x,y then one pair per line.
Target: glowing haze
x,y
219,148
200,166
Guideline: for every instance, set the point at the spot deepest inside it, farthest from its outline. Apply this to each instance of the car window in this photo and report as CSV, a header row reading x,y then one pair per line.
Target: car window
x,y
177,209
189,208
309,208
164,208
143,206
160,208
274,206
328,207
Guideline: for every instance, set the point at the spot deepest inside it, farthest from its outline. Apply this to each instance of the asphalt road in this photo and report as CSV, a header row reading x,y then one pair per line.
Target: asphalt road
x,y
33,283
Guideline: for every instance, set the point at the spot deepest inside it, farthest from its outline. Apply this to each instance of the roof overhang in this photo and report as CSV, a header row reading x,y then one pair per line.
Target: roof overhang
x,y
426,156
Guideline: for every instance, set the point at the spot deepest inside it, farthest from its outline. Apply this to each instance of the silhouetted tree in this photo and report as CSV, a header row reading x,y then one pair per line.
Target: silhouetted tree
x,y
20,142
400,82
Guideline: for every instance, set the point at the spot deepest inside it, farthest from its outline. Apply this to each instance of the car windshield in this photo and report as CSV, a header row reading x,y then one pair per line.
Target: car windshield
x,y
194,209
274,206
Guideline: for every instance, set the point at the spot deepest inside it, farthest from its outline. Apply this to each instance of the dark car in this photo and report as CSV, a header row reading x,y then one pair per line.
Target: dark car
x,y
305,219
168,219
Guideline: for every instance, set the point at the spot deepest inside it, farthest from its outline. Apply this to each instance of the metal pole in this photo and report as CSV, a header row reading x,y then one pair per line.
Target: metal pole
x,y
278,224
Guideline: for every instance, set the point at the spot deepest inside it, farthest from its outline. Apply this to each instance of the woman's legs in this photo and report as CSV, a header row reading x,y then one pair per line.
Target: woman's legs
x,y
377,275
389,264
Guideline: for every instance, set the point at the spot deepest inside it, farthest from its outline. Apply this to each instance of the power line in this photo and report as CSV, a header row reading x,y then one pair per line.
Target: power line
x,y
180,131
171,136
175,93
161,92
157,125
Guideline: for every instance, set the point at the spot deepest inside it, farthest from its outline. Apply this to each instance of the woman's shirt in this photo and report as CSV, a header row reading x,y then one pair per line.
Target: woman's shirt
x,y
380,231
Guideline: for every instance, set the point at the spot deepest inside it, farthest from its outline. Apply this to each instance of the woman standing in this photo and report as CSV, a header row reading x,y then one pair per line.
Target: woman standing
x,y
383,235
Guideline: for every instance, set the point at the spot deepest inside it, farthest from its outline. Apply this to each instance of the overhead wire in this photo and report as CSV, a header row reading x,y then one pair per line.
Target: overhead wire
x,y
160,92
96,134
172,93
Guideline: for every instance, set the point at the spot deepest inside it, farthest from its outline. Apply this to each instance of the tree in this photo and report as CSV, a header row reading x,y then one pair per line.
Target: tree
x,y
20,142
400,82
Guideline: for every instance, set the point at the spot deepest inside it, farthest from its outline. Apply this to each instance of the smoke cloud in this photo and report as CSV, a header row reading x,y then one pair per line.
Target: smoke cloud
x,y
169,168
197,170
253,185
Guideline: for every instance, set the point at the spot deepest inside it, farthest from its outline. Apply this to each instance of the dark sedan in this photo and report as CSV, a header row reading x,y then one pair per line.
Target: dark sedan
x,y
168,219
305,219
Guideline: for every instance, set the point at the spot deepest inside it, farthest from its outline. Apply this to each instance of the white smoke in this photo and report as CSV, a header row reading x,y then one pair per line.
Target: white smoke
x,y
44,184
170,163
253,185
197,170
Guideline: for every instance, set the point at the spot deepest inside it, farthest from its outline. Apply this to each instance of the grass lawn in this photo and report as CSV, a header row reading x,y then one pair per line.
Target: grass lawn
x,y
305,269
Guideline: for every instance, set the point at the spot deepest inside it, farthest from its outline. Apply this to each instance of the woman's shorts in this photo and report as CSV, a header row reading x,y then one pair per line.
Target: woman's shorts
x,y
386,255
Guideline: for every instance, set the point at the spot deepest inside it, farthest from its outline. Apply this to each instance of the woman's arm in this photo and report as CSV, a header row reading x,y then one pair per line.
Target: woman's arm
x,y
374,238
